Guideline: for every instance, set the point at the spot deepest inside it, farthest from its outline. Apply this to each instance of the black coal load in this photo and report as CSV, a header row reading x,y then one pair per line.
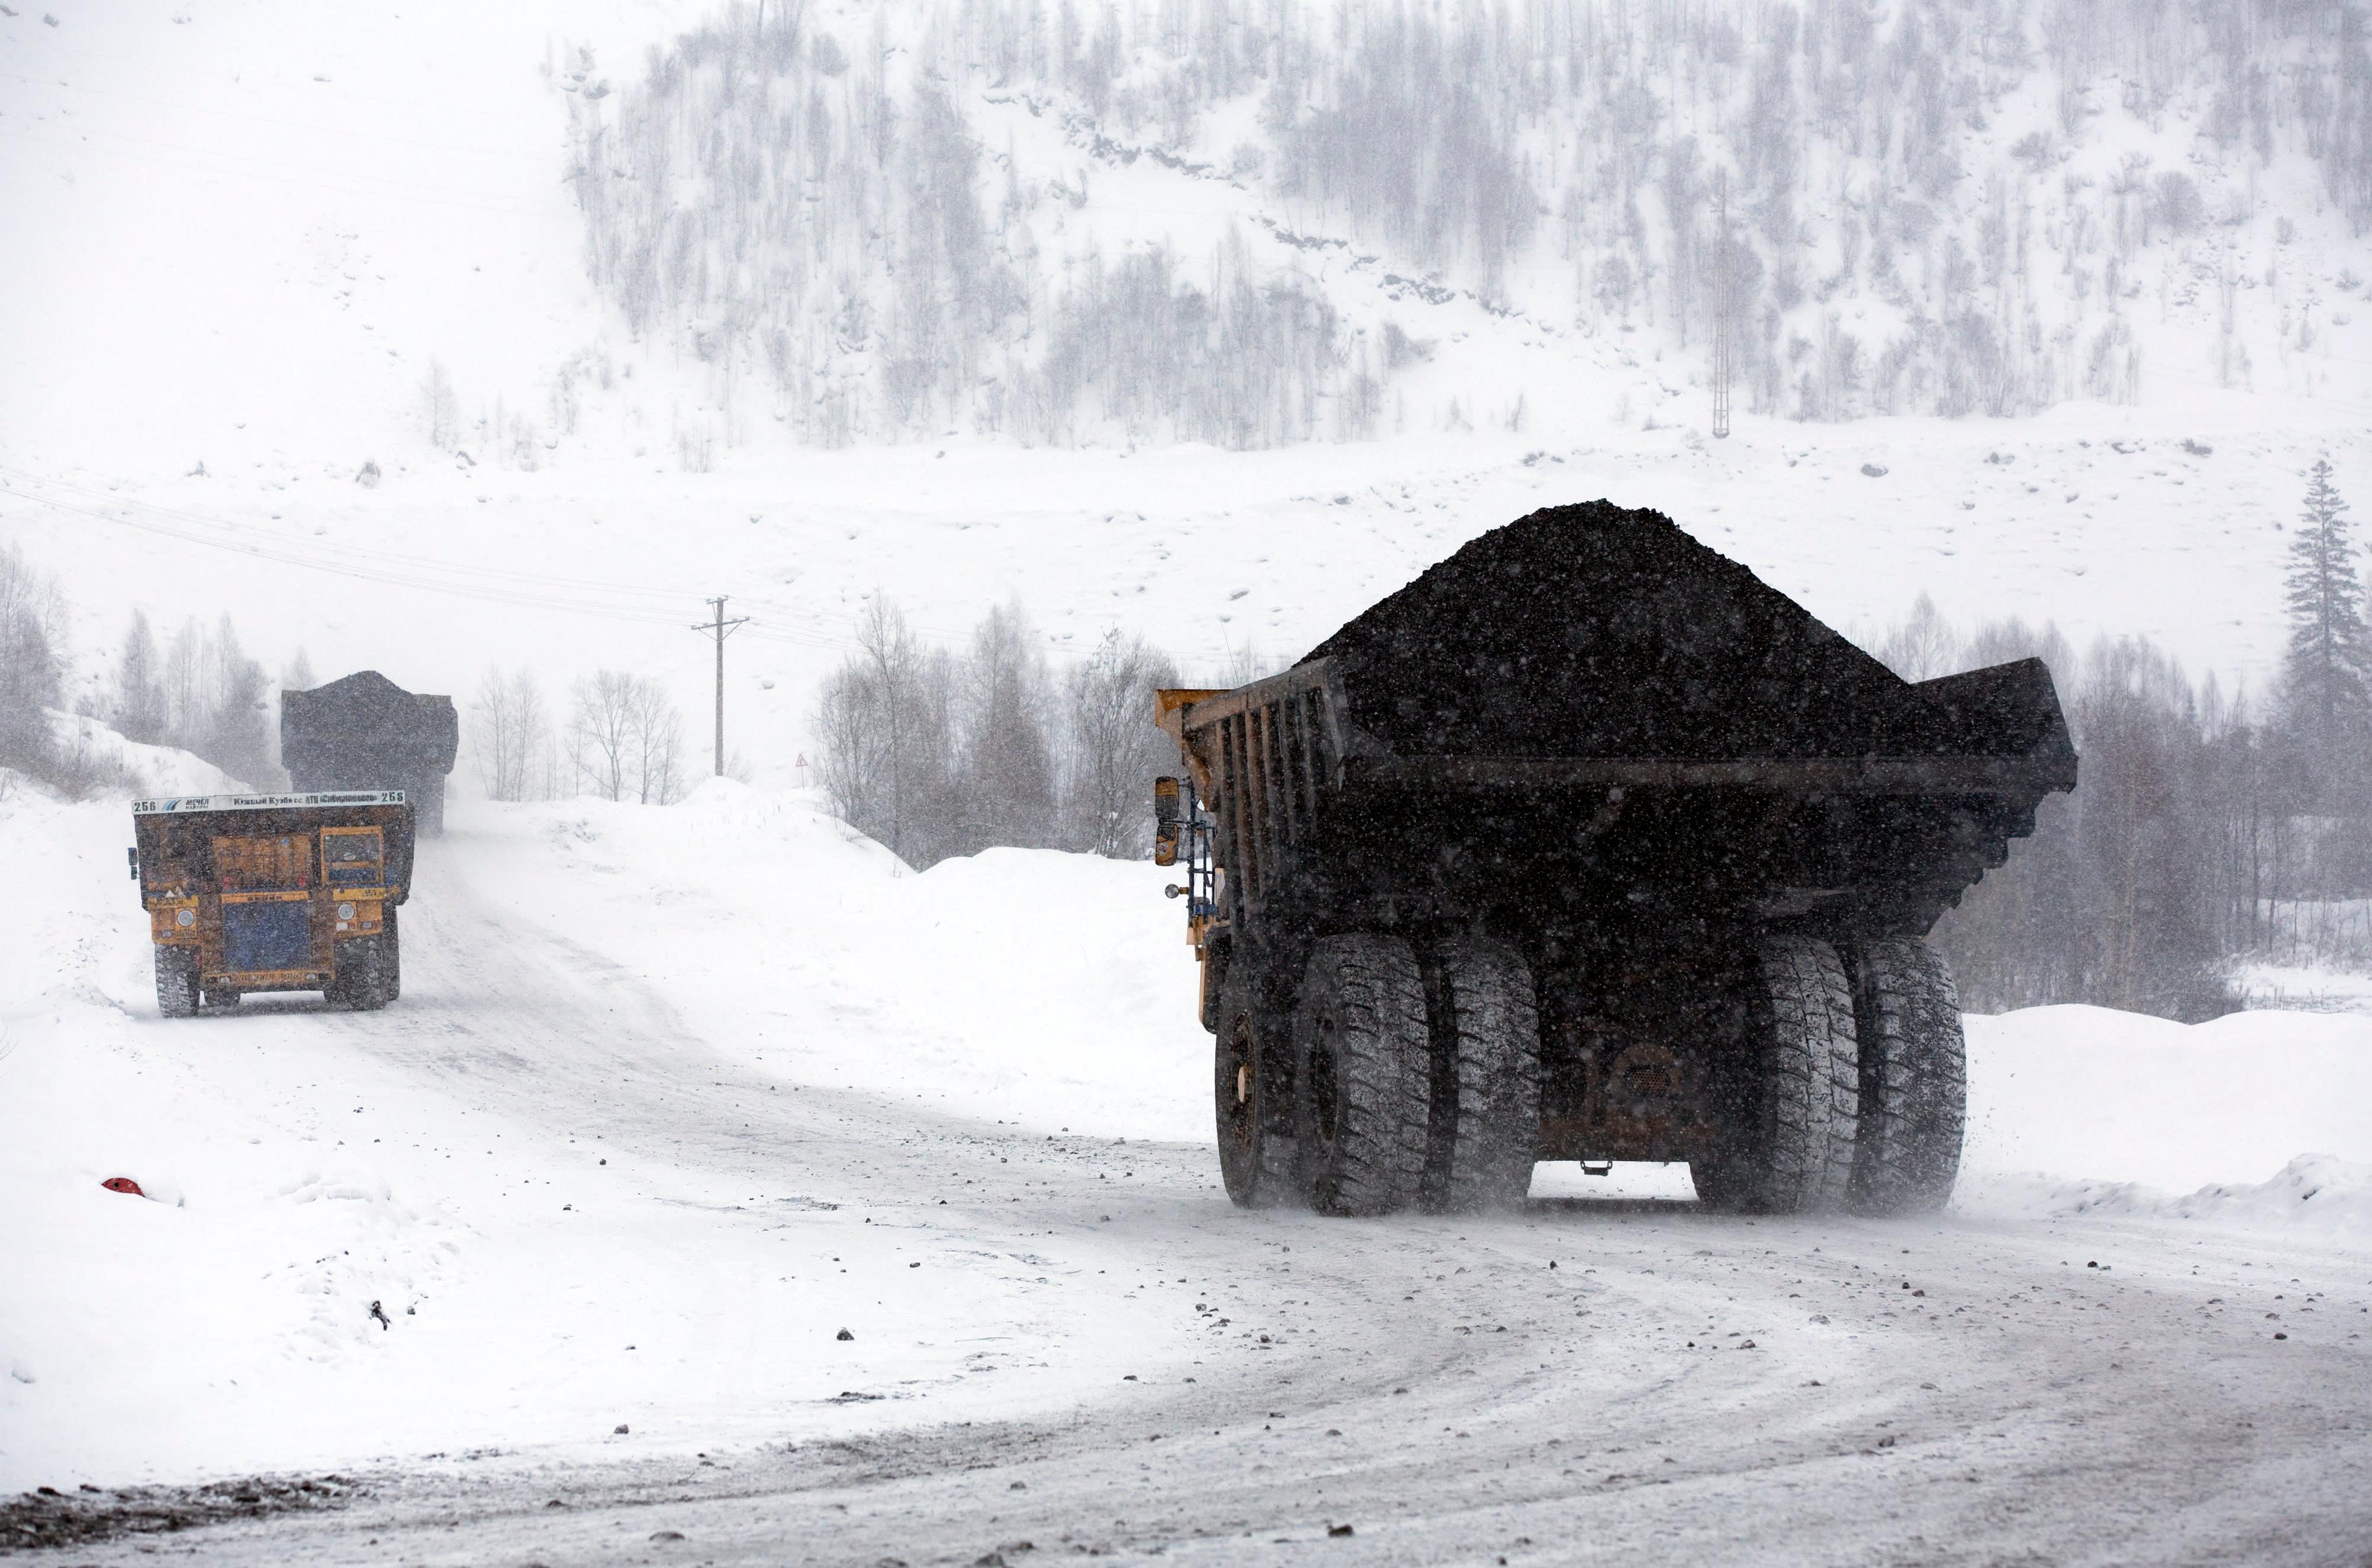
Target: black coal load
x,y
1599,631
365,732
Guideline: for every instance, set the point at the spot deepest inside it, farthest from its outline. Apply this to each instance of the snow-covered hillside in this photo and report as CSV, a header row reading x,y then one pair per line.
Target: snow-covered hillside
x,y
265,232
1250,225
271,234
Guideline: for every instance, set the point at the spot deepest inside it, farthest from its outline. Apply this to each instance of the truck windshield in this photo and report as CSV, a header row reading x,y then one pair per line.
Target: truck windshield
x,y
350,859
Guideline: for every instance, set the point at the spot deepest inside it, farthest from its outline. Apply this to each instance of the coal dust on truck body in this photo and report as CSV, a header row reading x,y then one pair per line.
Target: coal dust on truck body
x,y
1589,846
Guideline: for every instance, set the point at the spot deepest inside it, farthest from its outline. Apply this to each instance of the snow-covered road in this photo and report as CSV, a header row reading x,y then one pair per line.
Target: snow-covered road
x,y
1678,1388
598,1180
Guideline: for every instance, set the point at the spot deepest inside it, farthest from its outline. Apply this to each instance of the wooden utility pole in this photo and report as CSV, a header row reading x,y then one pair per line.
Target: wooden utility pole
x,y
722,628
1721,305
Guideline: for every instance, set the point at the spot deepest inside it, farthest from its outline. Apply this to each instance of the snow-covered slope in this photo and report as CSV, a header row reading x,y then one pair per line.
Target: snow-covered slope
x,y
262,229
266,231
259,223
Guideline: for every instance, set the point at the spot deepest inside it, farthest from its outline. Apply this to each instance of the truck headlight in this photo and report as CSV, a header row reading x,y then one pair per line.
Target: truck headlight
x,y
345,911
185,917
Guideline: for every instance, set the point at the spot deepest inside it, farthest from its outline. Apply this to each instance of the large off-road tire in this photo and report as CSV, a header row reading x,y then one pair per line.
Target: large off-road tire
x,y
1251,1088
1485,1116
1362,1078
1789,1104
177,981
1914,1083
360,981
391,958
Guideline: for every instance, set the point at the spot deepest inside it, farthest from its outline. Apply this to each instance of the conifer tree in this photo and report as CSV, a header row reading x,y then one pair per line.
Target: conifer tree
x,y
140,708
2328,671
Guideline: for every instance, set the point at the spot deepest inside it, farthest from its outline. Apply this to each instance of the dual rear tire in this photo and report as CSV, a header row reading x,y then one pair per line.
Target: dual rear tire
x,y
1376,1084
1363,1071
1851,1090
1914,1083
1485,1028
1786,1103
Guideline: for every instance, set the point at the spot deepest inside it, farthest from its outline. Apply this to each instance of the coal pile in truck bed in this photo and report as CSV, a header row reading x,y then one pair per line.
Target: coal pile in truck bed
x,y
1597,631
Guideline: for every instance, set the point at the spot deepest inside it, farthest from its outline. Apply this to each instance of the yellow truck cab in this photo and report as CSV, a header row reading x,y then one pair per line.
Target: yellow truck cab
x,y
273,892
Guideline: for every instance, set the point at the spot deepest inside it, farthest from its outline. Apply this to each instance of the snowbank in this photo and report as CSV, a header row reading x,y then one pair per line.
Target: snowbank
x,y
1027,986
2088,1092
2083,1110
2320,1196
495,1159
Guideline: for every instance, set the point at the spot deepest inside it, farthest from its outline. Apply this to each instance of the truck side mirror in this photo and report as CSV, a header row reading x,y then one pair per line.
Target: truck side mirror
x,y
134,856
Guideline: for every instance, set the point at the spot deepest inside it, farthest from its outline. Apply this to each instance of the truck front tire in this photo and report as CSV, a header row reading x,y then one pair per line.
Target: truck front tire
x,y
392,957
1251,1088
177,981
1485,1028
361,979
1363,1071
1790,1104
1914,1085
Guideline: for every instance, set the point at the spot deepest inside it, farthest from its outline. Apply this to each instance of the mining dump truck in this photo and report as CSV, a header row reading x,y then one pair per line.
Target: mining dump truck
x,y
273,892
364,732
1588,845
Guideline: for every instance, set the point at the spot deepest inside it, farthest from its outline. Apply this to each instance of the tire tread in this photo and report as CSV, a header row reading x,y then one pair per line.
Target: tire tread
x,y
1488,1134
1383,1076
1914,1078
1808,1090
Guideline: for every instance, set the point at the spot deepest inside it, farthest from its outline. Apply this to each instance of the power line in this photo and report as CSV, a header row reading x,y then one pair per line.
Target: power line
x,y
637,604
363,556
511,589
494,583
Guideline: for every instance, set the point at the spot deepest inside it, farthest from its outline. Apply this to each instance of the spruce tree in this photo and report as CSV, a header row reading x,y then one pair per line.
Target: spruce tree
x,y
140,694
2328,671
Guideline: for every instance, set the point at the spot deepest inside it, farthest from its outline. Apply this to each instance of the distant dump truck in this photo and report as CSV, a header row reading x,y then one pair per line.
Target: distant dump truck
x,y
365,732
273,892
1588,845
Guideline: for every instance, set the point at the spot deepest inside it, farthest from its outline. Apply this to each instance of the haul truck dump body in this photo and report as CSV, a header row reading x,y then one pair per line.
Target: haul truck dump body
x,y
1588,845
365,732
273,892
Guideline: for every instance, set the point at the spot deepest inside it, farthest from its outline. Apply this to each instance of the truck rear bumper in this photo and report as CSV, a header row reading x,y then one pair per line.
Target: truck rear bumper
x,y
265,980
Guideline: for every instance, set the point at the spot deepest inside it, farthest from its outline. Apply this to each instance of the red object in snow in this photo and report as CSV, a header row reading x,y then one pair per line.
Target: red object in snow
x,y
124,1184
